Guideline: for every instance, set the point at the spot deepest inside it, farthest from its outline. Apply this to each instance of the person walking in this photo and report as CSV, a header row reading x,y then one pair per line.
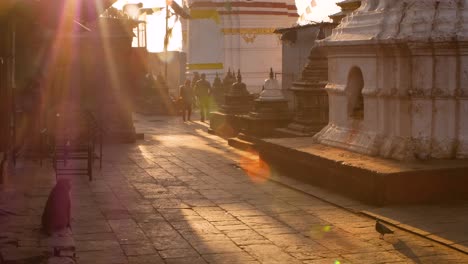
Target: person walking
x,y
203,91
186,98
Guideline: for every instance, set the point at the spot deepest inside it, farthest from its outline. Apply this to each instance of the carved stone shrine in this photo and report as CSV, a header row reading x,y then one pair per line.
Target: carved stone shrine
x,y
217,91
311,98
269,111
237,102
398,82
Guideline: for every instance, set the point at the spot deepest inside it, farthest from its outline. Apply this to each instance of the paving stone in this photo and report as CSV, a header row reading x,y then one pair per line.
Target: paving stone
x,y
23,253
91,227
178,253
193,237
102,257
158,229
146,259
373,257
91,245
212,247
173,242
226,223
138,249
169,203
232,227
187,260
229,258
270,254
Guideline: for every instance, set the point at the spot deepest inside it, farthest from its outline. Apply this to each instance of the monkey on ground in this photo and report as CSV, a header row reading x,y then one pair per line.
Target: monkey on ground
x,y
56,215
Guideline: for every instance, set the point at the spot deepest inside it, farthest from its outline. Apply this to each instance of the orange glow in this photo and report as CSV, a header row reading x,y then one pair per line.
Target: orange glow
x,y
258,170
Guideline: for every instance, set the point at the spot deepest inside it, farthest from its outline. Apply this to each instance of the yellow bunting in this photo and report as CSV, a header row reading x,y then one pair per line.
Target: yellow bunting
x,y
257,31
206,14
204,66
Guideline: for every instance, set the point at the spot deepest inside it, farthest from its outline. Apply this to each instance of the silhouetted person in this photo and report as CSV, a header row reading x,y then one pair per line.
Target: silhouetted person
x,y
186,96
202,91
195,79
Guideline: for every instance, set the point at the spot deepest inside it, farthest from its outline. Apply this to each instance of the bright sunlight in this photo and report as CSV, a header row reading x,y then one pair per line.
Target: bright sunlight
x,y
156,25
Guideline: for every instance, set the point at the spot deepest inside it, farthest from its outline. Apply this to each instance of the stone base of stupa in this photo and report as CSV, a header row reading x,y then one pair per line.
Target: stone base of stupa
x,y
299,128
263,127
225,125
373,180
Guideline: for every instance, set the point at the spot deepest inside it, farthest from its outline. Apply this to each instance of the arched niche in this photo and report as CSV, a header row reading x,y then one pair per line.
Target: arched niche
x,y
354,91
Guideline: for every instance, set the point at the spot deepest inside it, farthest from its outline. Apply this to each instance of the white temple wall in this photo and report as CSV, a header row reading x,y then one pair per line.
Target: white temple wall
x,y
199,54
238,35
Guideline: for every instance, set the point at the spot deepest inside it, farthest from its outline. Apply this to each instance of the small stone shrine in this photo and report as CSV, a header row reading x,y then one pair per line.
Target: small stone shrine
x,y
228,80
155,98
270,110
311,98
237,102
398,82
218,91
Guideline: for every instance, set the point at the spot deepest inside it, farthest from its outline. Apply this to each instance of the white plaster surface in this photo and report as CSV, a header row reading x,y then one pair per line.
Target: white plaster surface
x,y
208,44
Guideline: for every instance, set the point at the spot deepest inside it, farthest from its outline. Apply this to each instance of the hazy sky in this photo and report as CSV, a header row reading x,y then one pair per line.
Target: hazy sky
x,y
307,10
318,13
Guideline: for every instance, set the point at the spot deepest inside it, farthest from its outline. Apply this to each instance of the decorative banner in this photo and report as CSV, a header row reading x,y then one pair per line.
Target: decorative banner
x,y
206,14
248,34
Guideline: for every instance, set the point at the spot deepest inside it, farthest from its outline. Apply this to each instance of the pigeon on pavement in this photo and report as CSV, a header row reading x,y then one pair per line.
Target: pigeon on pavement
x,y
382,229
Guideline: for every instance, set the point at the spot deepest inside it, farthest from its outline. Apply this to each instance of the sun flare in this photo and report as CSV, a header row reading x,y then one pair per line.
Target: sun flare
x,y
156,25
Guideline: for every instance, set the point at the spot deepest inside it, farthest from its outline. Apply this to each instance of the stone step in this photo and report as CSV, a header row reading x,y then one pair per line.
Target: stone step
x,y
241,144
286,132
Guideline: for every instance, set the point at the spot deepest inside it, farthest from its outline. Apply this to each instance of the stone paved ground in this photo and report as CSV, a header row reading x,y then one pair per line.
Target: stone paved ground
x,y
180,196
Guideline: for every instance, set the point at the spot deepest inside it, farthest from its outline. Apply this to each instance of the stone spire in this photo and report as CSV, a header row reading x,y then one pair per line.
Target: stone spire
x,y
347,7
239,76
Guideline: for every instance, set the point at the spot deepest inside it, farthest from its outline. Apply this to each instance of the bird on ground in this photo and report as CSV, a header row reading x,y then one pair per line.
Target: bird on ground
x,y
382,229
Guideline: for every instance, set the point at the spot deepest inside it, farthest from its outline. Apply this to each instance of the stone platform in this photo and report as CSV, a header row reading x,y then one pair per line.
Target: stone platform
x,y
373,180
